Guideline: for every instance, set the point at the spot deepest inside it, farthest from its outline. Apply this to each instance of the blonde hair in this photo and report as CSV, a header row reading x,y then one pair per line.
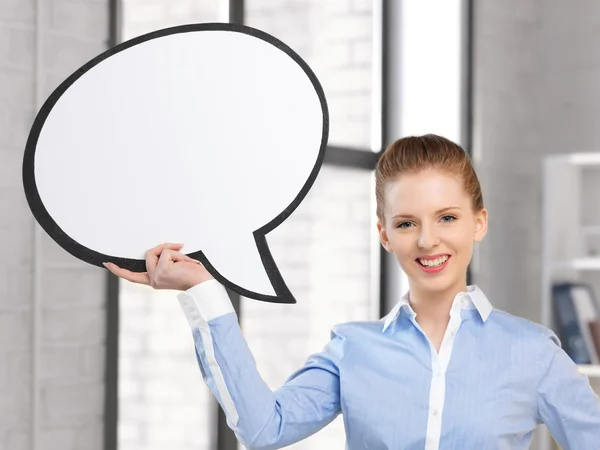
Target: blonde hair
x,y
415,153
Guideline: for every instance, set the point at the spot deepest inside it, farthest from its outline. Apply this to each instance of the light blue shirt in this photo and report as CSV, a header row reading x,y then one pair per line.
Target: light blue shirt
x,y
495,378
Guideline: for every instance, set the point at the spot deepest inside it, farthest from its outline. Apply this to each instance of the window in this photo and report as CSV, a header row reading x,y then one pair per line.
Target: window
x,y
336,39
324,251
327,250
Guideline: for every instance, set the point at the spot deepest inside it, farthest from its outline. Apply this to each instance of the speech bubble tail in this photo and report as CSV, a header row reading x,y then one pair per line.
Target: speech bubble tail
x,y
254,273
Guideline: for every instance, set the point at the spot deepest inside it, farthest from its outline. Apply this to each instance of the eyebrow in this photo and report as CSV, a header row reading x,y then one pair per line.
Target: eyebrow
x,y
439,211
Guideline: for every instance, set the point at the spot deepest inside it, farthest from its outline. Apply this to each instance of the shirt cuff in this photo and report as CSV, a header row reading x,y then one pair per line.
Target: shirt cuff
x,y
205,302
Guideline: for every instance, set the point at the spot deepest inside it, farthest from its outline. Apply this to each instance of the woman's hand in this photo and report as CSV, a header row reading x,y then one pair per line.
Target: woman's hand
x,y
167,268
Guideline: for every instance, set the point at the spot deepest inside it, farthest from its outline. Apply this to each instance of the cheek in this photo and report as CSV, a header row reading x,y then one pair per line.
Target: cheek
x,y
403,244
459,237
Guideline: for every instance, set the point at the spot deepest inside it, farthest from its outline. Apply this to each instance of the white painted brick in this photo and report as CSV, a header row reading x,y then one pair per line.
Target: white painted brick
x,y
362,53
18,365
64,54
291,229
15,215
16,87
74,325
15,406
18,440
18,11
15,331
130,390
340,28
89,435
10,169
61,403
348,81
17,248
15,123
363,6
338,55
128,432
334,7
129,344
79,19
92,362
86,286
60,363
15,289
58,438
16,46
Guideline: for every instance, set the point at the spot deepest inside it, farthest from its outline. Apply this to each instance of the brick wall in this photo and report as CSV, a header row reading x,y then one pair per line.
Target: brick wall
x,y
71,328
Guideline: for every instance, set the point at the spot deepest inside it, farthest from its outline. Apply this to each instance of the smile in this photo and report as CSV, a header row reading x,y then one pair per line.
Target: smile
x,y
432,265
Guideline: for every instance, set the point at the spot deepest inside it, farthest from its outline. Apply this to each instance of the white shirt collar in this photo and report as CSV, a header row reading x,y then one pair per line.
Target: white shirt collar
x,y
474,297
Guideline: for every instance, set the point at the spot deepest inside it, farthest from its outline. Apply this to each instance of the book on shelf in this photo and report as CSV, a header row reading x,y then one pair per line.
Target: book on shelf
x,y
577,318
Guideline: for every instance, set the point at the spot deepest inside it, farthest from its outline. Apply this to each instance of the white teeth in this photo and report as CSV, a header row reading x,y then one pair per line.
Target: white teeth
x,y
433,262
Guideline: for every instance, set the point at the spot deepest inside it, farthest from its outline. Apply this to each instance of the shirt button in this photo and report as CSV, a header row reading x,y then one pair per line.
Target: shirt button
x,y
465,302
434,412
453,332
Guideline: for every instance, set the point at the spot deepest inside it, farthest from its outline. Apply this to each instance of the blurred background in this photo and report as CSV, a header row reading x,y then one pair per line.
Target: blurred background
x,y
88,362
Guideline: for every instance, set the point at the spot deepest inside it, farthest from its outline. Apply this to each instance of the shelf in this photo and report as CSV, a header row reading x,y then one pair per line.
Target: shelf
x,y
591,263
581,159
592,371
590,230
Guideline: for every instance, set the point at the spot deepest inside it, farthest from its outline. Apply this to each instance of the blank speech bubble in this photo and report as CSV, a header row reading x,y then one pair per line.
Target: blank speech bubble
x,y
208,134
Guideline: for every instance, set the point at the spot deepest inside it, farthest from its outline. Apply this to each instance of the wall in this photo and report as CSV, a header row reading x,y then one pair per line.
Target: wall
x,y
536,68
71,325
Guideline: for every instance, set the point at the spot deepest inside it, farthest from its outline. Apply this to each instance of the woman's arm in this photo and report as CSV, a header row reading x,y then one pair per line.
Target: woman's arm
x,y
261,418
566,402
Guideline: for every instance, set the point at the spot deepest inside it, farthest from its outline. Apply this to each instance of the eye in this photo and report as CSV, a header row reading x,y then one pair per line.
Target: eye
x,y
404,225
448,219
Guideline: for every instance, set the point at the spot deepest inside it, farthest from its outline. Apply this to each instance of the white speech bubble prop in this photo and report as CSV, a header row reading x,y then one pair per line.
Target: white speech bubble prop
x,y
206,134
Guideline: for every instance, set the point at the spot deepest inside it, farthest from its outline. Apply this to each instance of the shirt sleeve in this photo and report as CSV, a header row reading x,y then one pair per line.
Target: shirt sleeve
x,y
261,418
567,404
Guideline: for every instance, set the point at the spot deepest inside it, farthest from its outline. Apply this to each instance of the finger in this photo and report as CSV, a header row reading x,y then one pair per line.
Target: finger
x,y
135,277
192,260
180,257
153,254
165,259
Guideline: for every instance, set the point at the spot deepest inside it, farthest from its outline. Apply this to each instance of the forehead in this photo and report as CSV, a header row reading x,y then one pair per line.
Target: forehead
x,y
426,190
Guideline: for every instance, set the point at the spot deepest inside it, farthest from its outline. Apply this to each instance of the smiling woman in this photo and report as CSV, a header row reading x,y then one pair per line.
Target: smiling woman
x,y
430,211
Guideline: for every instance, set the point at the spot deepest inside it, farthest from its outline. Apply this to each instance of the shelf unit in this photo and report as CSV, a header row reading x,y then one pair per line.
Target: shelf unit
x,y
563,238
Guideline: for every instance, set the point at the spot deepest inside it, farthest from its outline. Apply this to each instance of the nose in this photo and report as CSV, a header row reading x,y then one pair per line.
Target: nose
x,y
428,238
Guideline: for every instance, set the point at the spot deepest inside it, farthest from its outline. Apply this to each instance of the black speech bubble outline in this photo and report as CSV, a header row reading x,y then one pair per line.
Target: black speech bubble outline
x,y
283,294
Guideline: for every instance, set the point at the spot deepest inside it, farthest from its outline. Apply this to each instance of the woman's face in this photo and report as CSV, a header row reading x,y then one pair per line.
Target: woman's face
x,y
430,226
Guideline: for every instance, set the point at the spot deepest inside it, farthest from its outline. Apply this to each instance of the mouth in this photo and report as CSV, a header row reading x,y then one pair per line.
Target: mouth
x,y
433,265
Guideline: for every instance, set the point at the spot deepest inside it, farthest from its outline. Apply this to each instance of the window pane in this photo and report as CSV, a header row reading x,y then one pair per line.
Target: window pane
x,y
335,38
145,16
163,401
324,253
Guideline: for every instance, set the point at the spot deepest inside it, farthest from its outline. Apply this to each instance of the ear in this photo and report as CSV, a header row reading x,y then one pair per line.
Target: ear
x,y
383,237
481,225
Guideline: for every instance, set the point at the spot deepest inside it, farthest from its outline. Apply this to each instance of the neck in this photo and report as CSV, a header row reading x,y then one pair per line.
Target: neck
x,y
433,307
